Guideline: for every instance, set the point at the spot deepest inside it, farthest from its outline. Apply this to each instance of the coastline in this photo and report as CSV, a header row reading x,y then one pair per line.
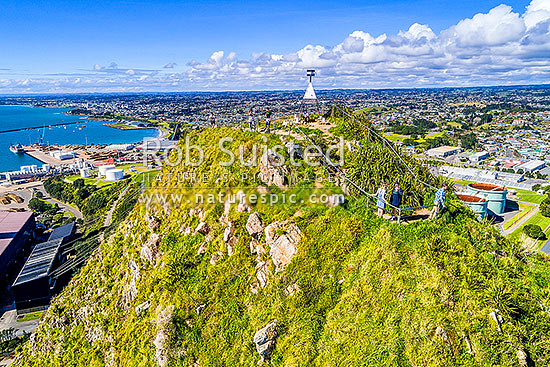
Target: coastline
x,y
35,156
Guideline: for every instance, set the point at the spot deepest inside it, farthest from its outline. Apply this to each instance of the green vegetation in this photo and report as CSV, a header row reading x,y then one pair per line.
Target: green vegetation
x,y
368,292
469,141
536,219
529,196
534,231
9,343
30,316
524,210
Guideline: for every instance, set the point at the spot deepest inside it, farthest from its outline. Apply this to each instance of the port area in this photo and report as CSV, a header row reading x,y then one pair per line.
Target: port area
x,y
45,157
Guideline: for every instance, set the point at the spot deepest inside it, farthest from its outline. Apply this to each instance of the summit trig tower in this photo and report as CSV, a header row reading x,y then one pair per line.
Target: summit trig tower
x,y
310,98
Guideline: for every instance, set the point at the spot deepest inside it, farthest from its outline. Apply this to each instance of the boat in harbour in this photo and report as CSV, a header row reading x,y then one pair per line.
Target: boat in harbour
x,y
17,149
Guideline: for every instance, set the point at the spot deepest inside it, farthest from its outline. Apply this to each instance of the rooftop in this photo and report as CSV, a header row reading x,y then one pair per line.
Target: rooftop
x,y
62,232
39,262
10,224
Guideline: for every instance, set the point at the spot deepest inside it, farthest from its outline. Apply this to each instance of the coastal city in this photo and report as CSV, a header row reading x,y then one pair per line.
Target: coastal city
x,y
228,183
482,136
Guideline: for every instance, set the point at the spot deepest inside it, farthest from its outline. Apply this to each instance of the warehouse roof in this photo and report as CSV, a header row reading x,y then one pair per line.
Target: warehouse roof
x,y
10,224
39,262
62,232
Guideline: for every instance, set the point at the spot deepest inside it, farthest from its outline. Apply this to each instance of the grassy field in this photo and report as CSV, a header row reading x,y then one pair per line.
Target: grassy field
x,y
529,196
524,210
396,137
538,219
30,316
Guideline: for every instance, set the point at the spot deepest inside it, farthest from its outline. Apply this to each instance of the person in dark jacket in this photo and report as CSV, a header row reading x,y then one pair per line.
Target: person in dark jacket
x,y
396,198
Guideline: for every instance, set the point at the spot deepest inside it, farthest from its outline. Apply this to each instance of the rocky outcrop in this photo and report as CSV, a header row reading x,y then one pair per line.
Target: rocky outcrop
x,y
216,257
150,248
242,206
335,200
497,319
283,246
262,273
142,307
130,291
291,290
164,328
202,228
254,225
153,223
256,248
265,340
272,172
229,238
204,245
294,150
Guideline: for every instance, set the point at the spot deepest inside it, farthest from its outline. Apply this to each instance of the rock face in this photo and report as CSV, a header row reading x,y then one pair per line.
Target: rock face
x,y
283,246
254,225
230,239
265,340
242,206
149,250
272,172
294,150
153,223
164,328
335,200
202,228
261,273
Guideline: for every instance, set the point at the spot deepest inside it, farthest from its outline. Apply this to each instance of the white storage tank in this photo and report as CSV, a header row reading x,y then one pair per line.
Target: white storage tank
x,y
105,168
114,175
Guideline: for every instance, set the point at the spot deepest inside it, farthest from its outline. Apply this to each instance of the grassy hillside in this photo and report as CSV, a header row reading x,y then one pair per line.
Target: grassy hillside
x,y
360,291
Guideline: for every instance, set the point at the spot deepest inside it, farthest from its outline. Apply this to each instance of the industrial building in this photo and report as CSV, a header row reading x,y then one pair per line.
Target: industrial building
x,y
531,166
498,178
34,285
443,151
16,229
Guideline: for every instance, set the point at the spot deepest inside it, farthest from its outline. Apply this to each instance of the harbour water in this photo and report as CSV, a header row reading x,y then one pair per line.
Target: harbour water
x,y
85,131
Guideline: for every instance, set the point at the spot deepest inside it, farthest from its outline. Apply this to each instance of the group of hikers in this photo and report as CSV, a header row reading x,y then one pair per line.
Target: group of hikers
x,y
396,198
252,119
396,195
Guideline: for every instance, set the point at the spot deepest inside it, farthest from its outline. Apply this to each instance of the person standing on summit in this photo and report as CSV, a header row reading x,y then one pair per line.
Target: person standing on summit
x,y
381,199
396,198
251,121
439,201
268,120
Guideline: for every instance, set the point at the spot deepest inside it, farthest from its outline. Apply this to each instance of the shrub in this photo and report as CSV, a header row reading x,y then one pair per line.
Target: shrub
x,y
534,231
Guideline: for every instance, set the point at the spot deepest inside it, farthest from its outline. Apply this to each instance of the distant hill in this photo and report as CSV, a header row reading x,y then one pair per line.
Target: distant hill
x,y
304,283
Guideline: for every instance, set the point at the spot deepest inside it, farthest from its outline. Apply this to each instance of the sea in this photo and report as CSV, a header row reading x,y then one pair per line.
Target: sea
x,y
86,131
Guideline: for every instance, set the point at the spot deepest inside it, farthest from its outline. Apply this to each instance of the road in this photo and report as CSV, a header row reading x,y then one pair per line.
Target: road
x,y
9,320
62,205
522,221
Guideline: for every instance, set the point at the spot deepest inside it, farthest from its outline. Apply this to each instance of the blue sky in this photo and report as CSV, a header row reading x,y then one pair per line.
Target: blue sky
x,y
73,45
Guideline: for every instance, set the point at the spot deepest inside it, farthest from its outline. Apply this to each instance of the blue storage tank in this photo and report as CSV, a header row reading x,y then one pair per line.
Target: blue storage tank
x,y
477,204
495,195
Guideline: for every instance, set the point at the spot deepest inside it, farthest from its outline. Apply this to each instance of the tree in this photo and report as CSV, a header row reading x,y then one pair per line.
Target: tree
x,y
545,207
79,183
469,141
39,195
39,206
534,231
